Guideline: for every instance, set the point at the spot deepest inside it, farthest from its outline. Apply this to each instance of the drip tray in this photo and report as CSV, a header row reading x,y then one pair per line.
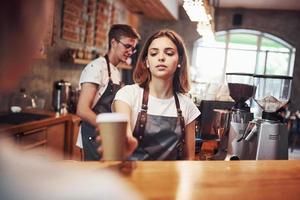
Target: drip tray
x,y
20,118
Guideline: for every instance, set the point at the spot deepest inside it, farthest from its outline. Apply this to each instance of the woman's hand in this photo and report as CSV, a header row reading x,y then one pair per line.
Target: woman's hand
x,y
131,145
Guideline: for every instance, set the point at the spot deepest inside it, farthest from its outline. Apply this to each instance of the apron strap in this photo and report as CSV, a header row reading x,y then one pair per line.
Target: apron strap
x,y
143,115
110,82
108,66
142,119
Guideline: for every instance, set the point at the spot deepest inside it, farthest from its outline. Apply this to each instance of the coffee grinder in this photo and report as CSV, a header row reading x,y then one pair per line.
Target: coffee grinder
x,y
241,89
267,138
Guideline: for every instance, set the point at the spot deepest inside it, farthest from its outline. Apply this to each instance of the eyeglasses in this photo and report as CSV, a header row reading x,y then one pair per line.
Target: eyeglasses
x,y
128,46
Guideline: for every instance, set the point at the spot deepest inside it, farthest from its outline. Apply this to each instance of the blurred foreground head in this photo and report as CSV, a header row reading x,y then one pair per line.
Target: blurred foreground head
x,y
25,176
22,28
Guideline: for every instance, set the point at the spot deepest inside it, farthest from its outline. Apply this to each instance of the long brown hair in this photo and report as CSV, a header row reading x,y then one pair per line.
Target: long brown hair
x,y
142,74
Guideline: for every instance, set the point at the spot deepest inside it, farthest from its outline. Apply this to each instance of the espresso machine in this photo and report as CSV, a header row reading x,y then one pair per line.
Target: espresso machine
x,y
61,96
241,89
267,138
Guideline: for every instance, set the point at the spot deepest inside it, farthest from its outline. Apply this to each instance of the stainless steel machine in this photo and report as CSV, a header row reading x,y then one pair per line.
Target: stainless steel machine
x,y
267,138
241,89
61,96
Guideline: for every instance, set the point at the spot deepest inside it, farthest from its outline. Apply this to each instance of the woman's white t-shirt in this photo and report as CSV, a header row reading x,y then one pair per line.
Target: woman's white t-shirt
x,y
133,95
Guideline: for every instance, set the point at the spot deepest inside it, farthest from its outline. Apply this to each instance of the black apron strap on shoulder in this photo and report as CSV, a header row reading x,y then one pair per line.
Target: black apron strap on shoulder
x,y
143,115
108,66
110,82
179,114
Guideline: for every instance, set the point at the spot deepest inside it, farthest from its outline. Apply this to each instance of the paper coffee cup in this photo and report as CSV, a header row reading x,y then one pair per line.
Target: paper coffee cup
x,y
112,127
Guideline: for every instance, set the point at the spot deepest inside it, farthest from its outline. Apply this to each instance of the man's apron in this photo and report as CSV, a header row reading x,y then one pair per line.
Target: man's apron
x,y
160,137
88,131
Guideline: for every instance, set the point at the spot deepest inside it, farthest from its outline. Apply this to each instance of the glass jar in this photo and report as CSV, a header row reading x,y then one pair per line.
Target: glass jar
x,y
21,101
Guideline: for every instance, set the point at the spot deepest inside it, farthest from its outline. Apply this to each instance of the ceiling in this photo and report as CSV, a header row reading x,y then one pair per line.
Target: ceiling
x,y
154,9
258,4
160,9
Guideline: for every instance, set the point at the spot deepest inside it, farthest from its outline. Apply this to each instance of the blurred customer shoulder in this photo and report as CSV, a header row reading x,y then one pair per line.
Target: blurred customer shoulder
x,y
29,177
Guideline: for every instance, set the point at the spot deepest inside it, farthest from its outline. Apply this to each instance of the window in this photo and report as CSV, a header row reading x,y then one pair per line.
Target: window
x,y
240,50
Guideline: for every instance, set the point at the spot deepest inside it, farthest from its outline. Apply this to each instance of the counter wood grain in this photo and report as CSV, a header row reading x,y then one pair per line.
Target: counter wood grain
x,y
209,179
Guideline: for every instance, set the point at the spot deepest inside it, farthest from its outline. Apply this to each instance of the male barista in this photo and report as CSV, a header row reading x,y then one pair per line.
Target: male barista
x,y
99,82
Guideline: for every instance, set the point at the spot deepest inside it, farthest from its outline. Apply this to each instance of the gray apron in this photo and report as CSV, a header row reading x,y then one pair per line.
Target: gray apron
x,y
88,131
160,137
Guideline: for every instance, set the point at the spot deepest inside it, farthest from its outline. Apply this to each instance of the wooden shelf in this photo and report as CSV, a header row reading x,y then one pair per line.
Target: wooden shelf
x,y
40,57
81,61
87,61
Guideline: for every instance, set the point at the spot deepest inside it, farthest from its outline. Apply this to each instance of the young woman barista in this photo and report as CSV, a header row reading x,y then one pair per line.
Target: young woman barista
x,y
162,118
99,81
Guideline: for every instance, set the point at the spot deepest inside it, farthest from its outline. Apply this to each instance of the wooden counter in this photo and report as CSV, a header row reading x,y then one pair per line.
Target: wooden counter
x,y
53,134
187,180
6,129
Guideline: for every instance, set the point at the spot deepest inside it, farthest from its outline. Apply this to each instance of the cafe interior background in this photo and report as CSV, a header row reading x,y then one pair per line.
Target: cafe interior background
x,y
228,35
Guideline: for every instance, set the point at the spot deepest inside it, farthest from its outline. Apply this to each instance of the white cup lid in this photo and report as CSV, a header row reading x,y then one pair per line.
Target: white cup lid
x,y
111,117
